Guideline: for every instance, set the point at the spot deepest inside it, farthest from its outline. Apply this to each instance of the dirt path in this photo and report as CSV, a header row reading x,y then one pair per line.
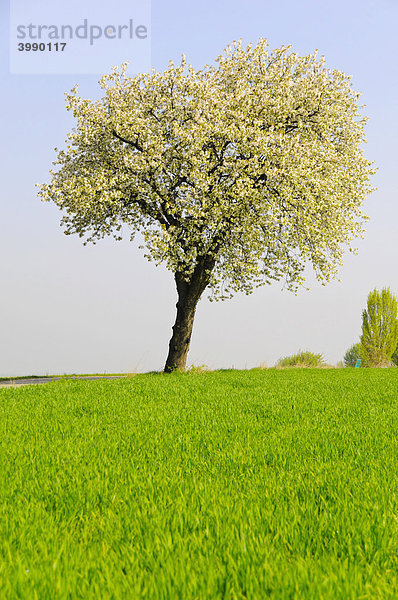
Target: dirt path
x,y
38,380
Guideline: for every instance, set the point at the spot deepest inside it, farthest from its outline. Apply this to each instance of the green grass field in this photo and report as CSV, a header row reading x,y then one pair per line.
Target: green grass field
x,y
229,484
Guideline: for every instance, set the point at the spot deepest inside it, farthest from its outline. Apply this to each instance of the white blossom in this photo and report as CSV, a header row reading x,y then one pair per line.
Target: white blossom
x,y
256,162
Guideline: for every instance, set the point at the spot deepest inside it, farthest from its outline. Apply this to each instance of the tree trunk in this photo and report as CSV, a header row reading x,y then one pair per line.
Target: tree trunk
x,y
189,293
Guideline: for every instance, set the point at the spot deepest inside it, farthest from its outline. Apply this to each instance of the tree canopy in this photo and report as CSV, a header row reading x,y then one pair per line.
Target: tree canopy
x,y
236,175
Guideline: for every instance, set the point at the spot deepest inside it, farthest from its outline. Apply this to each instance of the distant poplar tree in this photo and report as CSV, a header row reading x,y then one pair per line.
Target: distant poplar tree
x,y
394,357
379,329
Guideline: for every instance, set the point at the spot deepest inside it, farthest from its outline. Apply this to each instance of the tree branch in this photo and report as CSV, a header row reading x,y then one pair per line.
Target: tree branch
x,y
135,144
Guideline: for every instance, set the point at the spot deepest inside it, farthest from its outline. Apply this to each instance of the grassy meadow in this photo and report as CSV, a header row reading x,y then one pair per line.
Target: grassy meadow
x,y
216,485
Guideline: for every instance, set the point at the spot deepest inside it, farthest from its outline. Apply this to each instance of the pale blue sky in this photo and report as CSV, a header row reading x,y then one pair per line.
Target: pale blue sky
x,y
68,308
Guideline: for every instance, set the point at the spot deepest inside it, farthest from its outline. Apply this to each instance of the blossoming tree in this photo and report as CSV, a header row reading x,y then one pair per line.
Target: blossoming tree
x,y
236,175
